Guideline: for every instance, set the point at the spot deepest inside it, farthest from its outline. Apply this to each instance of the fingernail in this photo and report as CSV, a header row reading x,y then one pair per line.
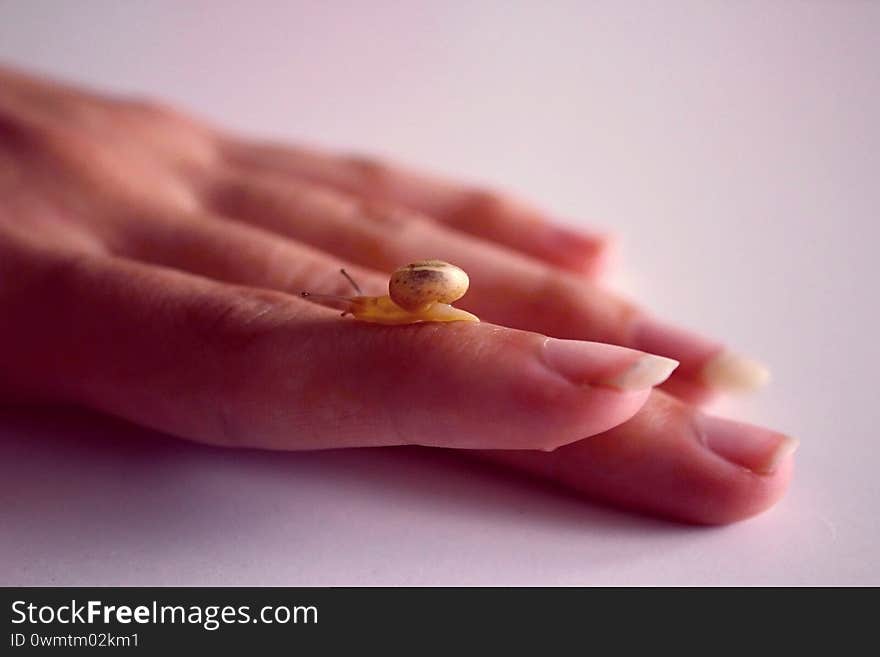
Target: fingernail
x,y
754,448
731,372
701,358
588,253
595,363
648,371
658,337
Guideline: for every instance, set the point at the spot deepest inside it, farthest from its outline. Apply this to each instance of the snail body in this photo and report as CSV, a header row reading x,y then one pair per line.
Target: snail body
x,y
421,291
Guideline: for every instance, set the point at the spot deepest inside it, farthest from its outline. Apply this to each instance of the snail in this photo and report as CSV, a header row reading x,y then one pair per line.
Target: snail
x,y
418,292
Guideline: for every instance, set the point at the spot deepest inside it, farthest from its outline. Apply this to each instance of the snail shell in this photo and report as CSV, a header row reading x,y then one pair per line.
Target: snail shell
x,y
419,284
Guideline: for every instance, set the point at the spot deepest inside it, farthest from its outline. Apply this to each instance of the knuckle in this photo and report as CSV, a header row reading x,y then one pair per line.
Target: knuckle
x,y
575,308
369,173
26,134
554,296
388,215
484,205
280,268
237,321
190,145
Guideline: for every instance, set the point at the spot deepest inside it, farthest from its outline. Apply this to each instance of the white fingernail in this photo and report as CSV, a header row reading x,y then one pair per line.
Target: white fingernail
x,y
731,372
648,371
785,449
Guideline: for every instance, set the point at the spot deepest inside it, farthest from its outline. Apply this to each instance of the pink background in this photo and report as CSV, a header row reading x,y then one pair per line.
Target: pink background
x,y
734,146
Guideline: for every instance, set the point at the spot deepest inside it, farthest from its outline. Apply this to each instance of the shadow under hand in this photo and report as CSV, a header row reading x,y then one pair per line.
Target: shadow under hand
x,y
83,488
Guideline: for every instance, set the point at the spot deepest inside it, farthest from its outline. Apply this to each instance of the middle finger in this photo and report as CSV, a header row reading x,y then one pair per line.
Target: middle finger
x,y
507,287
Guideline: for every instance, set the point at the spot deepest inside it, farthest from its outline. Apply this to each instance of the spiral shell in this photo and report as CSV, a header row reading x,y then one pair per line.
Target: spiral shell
x,y
419,284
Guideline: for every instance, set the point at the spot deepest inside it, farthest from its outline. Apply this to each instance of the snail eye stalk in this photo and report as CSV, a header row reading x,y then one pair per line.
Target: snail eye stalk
x,y
357,288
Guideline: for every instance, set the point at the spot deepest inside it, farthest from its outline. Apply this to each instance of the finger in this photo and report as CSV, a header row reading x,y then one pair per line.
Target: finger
x,y
236,253
479,212
243,366
671,460
506,287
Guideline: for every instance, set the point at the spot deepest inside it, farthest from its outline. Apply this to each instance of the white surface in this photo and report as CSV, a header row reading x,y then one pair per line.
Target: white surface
x,y
734,146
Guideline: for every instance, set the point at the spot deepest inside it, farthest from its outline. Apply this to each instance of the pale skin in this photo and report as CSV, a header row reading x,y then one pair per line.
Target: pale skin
x,y
151,267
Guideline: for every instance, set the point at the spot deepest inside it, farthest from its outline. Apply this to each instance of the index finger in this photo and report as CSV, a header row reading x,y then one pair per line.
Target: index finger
x,y
246,366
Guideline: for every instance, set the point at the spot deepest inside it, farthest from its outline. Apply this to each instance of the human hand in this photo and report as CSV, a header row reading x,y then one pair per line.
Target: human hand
x,y
149,266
